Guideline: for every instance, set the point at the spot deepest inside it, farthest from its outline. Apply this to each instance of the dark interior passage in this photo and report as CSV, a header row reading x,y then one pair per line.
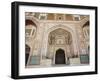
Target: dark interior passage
x,y
60,57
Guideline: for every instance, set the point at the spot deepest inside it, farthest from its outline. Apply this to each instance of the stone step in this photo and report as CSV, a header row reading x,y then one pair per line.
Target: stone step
x,y
46,62
74,61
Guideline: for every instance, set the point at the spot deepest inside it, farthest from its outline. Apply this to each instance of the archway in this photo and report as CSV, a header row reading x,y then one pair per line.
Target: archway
x,y
66,29
60,57
30,34
59,38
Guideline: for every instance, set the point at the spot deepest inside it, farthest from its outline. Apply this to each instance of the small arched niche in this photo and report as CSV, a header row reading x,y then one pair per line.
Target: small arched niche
x,y
30,28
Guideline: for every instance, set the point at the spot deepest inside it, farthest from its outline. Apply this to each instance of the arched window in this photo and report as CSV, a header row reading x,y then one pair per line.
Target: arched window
x,y
30,29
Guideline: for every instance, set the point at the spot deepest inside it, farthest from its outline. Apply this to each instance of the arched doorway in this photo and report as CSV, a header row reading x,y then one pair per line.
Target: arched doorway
x,y
59,39
27,52
60,57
